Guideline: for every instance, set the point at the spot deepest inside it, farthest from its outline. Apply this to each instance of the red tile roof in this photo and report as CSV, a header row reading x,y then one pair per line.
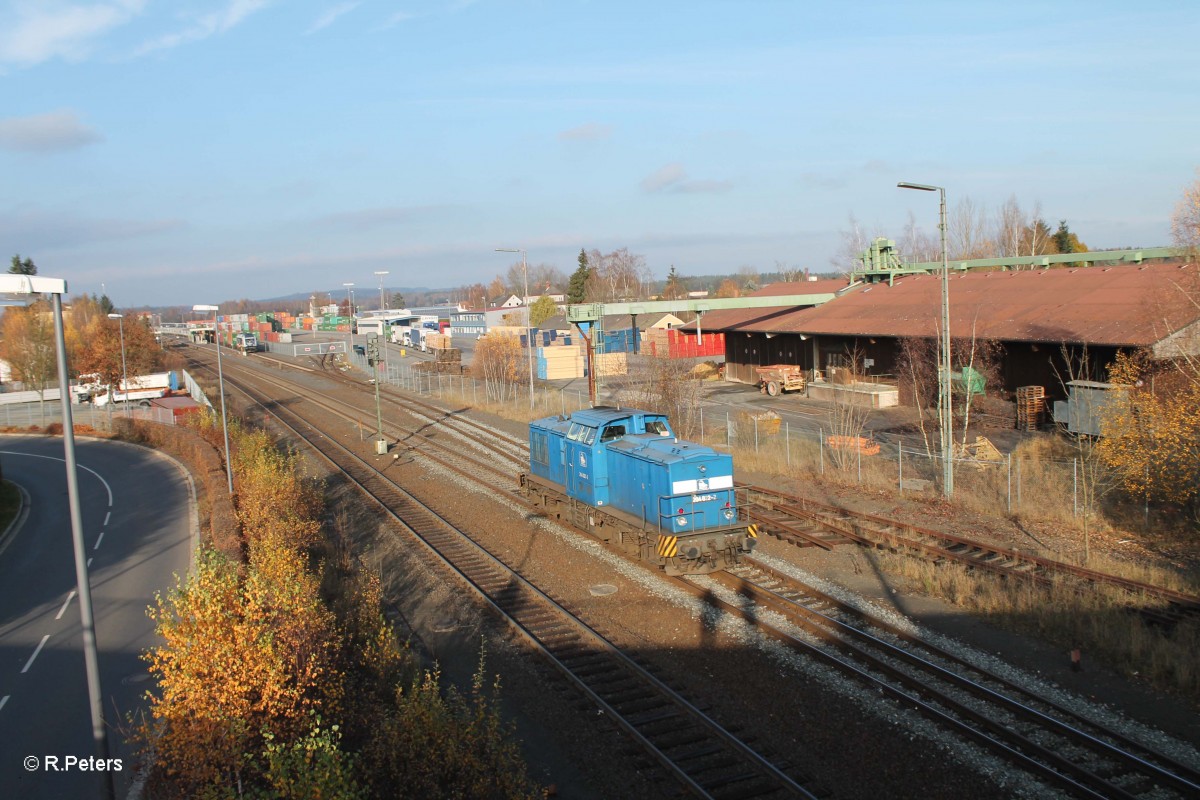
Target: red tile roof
x,y
1120,306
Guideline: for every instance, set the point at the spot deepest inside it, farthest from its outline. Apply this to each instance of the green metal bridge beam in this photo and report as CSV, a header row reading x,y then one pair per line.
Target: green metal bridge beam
x,y
881,260
591,312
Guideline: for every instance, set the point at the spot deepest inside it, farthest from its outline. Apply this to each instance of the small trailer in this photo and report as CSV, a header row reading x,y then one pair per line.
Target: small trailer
x,y
778,378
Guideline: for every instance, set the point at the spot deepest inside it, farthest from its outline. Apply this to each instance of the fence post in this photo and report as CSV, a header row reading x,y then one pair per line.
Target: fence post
x,y
900,450
821,449
787,443
728,431
562,399
702,423
858,449
756,434
1074,483
1009,498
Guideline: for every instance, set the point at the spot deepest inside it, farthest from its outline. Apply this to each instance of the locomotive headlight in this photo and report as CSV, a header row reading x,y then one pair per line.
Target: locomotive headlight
x,y
728,514
703,469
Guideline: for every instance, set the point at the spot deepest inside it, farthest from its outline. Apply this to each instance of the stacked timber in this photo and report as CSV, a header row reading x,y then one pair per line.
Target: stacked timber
x,y
560,362
448,359
1031,403
569,361
437,341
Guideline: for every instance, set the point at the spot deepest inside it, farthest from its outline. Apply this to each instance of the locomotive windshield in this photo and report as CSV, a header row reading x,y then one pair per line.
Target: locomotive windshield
x,y
657,426
612,432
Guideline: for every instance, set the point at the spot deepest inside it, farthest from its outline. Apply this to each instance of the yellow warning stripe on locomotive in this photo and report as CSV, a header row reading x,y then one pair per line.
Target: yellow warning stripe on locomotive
x,y
668,546
752,531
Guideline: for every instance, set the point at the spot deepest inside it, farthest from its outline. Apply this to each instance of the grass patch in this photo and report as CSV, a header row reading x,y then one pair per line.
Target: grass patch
x,y
1101,620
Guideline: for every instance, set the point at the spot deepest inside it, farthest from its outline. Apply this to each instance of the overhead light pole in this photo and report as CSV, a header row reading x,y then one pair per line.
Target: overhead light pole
x,y
350,308
381,274
221,388
528,316
56,288
945,402
124,374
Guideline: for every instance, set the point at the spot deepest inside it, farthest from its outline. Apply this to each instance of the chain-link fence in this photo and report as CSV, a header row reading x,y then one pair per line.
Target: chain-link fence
x,y
1004,485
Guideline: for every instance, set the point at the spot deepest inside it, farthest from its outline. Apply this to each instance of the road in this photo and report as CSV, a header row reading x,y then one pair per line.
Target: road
x,y
138,528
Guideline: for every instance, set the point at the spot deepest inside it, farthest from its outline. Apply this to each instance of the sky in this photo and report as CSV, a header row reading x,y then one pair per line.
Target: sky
x,y
172,152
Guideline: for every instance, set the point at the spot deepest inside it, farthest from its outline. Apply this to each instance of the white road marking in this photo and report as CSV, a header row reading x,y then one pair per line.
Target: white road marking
x,y
4,700
106,517
89,564
29,663
98,541
66,603
107,488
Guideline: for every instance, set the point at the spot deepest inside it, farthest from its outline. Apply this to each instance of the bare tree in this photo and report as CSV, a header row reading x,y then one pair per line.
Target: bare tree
x,y
917,369
618,275
665,385
968,231
917,245
855,242
848,414
1185,222
499,364
788,273
1009,228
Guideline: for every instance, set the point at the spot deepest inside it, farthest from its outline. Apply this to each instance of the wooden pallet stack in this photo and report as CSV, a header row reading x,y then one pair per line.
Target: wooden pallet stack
x,y
1031,405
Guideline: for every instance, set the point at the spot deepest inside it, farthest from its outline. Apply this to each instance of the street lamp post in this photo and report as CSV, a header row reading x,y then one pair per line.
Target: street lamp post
x,y
350,309
381,274
528,316
945,403
221,388
56,288
124,374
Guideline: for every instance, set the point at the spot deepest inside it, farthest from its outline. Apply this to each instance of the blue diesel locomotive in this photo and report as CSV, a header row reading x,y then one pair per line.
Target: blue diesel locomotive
x,y
622,476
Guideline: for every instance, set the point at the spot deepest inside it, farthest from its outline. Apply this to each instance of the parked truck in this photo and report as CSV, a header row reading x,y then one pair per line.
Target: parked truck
x,y
142,388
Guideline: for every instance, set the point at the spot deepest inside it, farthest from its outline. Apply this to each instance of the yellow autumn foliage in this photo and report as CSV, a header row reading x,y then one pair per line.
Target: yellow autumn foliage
x,y
1151,438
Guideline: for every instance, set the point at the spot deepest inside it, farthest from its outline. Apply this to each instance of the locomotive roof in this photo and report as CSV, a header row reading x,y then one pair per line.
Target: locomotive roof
x,y
599,416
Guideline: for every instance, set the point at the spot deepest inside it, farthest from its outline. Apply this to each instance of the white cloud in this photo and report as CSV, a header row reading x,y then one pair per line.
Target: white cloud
x,y
663,178
208,25
331,15
34,32
397,18
40,230
673,178
588,132
703,187
46,133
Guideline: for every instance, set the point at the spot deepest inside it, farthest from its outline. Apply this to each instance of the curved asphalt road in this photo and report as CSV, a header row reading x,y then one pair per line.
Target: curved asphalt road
x,y
138,521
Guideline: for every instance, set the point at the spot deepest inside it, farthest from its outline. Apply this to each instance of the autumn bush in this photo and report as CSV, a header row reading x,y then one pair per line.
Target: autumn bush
x,y
273,681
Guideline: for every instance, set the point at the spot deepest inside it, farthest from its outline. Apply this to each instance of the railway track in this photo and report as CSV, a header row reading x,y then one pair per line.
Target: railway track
x,y
1046,739
1065,750
810,523
688,744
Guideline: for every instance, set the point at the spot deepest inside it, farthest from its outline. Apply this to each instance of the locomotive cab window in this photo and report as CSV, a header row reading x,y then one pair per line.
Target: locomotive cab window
x,y
612,432
576,432
657,426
